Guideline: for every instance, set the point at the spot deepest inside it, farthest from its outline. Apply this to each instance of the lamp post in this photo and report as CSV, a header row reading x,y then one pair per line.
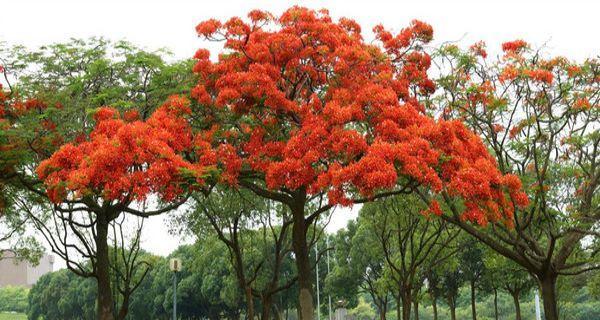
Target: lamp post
x,y
318,293
175,266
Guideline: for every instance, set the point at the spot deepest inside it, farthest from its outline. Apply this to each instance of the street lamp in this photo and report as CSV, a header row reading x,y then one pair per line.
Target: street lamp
x,y
175,266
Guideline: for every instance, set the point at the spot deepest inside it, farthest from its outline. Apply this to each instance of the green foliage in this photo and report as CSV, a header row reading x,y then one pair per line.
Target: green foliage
x,y
12,316
13,299
62,295
363,310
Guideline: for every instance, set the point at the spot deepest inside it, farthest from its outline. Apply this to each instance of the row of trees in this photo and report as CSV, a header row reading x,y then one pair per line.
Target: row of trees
x,y
398,256
298,116
209,285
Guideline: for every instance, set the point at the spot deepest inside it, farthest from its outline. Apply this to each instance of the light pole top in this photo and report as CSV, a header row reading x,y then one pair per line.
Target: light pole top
x,y
175,264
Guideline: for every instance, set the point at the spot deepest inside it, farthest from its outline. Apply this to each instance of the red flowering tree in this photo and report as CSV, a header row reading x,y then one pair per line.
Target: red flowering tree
x,y
540,117
300,109
113,172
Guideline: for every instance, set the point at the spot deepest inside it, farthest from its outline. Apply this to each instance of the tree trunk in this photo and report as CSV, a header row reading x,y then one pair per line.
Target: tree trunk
x,y
382,311
277,312
249,303
515,296
495,304
104,299
548,286
435,311
473,309
301,253
406,304
398,311
266,307
124,307
416,306
452,305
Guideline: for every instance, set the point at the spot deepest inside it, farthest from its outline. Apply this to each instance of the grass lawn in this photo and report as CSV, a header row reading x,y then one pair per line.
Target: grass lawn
x,y
12,316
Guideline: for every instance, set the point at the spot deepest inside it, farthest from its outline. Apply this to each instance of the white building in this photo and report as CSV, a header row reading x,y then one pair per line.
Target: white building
x,y
14,272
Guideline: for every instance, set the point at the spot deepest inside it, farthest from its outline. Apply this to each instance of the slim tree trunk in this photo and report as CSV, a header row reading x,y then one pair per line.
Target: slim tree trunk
x,y
435,311
266,308
452,305
398,311
495,303
406,304
249,303
104,299
416,307
277,312
382,310
124,307
301,252
548,286
515,296
473,308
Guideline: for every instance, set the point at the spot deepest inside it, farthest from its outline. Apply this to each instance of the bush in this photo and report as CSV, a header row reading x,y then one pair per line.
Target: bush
x,y
13,299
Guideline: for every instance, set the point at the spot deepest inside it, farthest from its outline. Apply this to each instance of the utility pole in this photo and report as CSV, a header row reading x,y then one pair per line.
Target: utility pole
x,y
328,270
175,266
318,293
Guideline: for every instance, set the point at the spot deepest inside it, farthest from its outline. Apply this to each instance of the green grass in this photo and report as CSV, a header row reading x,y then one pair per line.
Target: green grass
x,y
12,316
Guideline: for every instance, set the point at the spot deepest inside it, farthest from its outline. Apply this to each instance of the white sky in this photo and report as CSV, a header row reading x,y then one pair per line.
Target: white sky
x,y
567,28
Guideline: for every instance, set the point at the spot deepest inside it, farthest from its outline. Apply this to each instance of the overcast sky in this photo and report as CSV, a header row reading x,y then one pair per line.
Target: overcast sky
x,y
568,28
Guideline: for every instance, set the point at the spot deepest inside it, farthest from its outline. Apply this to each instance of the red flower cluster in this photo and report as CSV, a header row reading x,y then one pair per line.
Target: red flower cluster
x,y
478,49
303,102
514,46
540,75
125,160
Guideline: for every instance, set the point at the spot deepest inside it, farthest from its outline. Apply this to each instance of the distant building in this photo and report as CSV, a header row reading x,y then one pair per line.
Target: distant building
x,y
14,272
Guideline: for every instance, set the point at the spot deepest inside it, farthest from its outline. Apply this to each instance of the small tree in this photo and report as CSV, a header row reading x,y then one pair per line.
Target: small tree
x,y
539,115
256,233
411,244
113,173
472,266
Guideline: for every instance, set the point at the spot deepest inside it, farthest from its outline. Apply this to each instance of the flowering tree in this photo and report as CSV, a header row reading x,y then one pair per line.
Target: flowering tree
x,y
540,117
113,172
301,110
99,161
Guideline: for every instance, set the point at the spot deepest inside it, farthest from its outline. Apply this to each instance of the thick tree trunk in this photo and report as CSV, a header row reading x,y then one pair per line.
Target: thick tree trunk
x,y
473,307
548,286
249,303
416,307
495,304
434,305
301,253
105,298
515,296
